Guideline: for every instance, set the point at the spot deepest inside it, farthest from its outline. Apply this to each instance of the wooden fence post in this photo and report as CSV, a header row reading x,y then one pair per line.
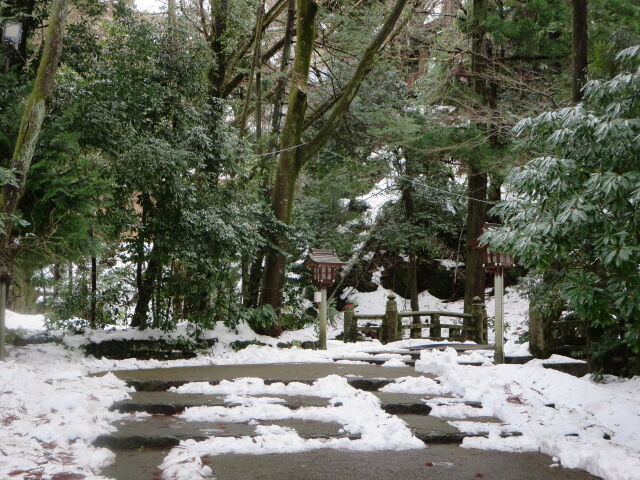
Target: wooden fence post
x,y
436,331
478,319
389,331
349,325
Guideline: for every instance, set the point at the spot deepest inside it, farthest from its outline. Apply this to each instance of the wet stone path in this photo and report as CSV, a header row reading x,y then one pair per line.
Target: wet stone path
x,y
142,442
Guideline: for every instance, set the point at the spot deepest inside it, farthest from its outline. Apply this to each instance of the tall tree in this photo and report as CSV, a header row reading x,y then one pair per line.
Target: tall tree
x,y
294,155
30,126
579,42
477,177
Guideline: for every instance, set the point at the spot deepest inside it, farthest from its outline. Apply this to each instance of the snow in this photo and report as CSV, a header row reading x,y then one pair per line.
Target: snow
x,y
414,385
448,263
394,362
516,308
359,412
383,192
51,412
325,387
562,416
17,321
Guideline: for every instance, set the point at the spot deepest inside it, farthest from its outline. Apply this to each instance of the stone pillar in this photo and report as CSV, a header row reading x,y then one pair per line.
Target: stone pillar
x,y
349,325
389,331
477,308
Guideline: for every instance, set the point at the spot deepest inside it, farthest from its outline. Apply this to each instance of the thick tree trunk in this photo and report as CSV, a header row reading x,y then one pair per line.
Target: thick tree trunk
x,y
579,41
33,116
28,134
476,216
288,163
145,291
292,158
477,179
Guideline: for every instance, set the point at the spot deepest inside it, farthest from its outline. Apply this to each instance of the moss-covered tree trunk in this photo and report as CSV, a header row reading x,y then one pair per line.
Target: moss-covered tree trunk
x,y
30,126
293,157
33,116
289,160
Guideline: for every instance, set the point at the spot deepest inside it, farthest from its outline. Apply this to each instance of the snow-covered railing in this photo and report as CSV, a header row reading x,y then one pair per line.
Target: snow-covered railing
x,y
392,328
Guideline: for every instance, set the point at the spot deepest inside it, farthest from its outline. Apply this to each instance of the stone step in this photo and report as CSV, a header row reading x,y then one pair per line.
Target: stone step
x,y
302,372
166,432
361,383
170,403
434,430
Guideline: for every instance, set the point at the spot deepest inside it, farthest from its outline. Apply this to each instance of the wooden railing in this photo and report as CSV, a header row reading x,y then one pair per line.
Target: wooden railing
x,y
391,328
567,336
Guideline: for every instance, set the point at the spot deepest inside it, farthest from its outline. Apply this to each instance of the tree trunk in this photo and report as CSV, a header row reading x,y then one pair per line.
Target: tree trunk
x,y
413,292
29,132
255,66
407,188
33,116
477,179
292,158
288,164
94,292
145,292
281,83
476,216
579,43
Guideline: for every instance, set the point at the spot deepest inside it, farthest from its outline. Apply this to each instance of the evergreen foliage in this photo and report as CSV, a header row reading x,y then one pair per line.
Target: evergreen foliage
x,y
575,207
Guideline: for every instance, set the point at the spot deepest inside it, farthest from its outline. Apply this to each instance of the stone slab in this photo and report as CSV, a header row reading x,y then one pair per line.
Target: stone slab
x,y
437,462
279,372
171,403
160,431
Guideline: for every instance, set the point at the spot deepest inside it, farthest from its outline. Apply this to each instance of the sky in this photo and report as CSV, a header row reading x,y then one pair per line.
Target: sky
x,y
151,6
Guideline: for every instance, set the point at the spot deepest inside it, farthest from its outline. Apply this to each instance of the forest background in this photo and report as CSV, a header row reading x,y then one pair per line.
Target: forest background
x,y
189,159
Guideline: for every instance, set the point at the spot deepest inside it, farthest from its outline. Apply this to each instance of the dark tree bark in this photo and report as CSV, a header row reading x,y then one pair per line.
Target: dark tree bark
x,y
94,292
407,190
477,179
145,290
476,216
579,43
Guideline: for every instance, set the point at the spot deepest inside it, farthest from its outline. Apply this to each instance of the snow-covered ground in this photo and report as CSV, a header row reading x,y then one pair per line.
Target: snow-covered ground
x,y
580,423
51,410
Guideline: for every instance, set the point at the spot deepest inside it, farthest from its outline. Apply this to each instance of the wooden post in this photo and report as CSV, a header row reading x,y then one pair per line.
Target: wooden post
x,y
499,316
436,331
389,331
478,320
322,336
349,326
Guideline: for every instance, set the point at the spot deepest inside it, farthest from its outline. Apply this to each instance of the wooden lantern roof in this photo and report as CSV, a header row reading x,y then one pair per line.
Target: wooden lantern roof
x,y
495,261
324,265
